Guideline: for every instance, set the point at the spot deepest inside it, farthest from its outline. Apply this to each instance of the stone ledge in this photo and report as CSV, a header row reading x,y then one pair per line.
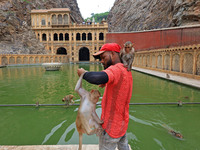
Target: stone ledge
x,y
50,147
183,80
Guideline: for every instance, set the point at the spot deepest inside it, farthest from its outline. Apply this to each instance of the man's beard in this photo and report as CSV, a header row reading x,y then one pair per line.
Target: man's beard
x,y
109,63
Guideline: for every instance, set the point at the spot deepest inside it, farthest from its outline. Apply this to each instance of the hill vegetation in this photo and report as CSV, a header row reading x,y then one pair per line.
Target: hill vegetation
x,y
98,17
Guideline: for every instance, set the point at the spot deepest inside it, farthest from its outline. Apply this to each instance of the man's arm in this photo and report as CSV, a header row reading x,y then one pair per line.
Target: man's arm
x,y
93,77
96,77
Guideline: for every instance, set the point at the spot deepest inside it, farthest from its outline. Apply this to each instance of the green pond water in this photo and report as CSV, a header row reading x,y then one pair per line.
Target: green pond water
x,y
148,125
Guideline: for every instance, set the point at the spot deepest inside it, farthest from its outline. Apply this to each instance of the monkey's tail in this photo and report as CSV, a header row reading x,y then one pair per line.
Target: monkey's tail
x,y
80,141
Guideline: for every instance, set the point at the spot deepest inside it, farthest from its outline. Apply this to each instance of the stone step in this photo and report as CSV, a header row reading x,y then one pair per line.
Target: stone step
x,y
50,147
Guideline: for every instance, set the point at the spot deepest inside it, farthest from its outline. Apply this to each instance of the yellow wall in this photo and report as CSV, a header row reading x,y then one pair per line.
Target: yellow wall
x,y
12,59
54,26
183,61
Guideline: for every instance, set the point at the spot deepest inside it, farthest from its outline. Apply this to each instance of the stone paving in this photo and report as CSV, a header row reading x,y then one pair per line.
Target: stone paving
x,y
183,80
51,147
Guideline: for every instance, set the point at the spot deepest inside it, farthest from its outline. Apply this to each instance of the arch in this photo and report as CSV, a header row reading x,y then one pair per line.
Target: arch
x,y
59,19
89,36
19,60
25,60
60,37
4,60
66,19
37,21
188,63
153,60
78,36
166,62
46,59
159,62
140,61
84,54
11,60
66,37
176,63
44,37
61,51
37,60
55,37
84,36
56,59
53,19
43,22
101,36
31,60
33,21
42,59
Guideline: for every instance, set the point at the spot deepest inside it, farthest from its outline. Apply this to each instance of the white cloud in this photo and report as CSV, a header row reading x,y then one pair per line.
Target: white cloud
x,y
87,7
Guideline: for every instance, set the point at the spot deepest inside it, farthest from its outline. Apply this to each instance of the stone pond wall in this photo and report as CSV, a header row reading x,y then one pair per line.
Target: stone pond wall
x,y
13,59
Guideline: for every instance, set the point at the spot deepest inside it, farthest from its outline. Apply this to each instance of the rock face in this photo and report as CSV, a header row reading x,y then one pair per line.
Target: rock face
x,y
16,36
136,15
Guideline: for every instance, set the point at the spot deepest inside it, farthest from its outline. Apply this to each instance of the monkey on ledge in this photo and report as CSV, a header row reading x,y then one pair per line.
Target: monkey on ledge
x,y
87,120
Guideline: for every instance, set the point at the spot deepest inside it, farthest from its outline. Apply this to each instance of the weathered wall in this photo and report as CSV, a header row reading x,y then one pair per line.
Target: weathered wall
x,y
163,38
16,36
137,15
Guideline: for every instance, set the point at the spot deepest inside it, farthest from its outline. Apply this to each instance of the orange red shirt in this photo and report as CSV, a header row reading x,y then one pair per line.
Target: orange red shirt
x,y
116,99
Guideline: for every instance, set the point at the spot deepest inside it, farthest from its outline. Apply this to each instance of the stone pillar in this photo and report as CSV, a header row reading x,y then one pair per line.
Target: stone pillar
x,y
170,60
163,61
181,62
194,62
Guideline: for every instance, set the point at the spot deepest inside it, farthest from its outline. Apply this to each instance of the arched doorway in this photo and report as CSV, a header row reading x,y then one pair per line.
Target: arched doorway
x,y
84,54
61,51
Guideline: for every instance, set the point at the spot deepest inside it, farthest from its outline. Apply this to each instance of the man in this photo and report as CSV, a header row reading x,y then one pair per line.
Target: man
x,y
116,98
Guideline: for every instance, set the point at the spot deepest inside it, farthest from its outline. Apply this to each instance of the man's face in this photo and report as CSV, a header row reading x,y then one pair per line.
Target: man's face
x,y
106,59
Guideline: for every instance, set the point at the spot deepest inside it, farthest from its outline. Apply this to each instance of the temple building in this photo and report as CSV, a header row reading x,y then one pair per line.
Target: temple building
x,y
61,34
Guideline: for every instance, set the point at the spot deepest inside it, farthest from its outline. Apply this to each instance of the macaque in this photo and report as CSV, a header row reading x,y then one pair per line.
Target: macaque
x,y
127,55
174,133
87,120
68,99
167,76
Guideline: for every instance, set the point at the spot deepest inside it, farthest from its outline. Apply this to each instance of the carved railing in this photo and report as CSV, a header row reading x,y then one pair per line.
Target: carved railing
x,y
13,59
183,61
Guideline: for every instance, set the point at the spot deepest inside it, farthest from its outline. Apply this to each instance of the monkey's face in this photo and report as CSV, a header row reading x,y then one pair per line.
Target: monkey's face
x,y
94,96
128,49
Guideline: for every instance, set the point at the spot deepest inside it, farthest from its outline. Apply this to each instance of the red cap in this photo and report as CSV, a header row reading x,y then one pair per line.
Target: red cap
x,y
107,47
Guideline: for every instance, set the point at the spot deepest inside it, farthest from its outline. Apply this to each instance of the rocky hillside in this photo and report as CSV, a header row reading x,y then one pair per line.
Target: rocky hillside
x,y
16,36
136,15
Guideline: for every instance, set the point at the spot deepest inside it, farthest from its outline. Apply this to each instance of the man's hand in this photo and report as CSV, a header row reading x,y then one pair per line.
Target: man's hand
x,y
80,71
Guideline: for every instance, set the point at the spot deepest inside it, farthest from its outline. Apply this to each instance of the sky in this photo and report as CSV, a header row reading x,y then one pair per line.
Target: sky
x,y
87,7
